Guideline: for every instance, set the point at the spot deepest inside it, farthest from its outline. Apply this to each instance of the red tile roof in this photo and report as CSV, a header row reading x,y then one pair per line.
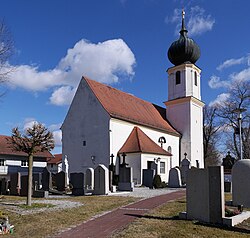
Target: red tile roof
x,y
7,149
57,159
139,142
127,107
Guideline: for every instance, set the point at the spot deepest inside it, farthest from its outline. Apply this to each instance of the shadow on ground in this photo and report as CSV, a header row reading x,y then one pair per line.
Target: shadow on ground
x,y
197,223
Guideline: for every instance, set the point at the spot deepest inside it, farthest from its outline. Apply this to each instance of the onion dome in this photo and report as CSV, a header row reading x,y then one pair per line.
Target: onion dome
x,y
183,50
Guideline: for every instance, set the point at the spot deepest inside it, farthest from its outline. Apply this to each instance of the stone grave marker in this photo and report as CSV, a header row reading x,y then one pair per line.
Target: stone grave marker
x,y
240,183
3,186
125,179
205,195
148,177
185,166
15,183
24,185
101,180
174,179
77,182
37,181
89,181
61,181
46,180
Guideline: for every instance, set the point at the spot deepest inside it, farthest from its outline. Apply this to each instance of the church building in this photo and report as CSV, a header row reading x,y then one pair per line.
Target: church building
x,y
105,125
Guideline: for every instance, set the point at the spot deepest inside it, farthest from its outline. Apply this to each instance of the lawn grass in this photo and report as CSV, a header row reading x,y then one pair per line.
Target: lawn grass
x,y
50,223
163,222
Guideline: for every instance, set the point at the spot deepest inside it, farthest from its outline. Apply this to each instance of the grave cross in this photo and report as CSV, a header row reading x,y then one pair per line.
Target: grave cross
x,y
123,157
112,159
112,166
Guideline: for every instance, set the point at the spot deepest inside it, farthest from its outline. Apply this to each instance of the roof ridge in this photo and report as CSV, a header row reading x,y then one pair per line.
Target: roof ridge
x,y
124,106
137,136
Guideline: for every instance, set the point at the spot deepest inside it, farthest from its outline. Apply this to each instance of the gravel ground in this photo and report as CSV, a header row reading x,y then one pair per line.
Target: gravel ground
x,y
145,192
57,205
61,202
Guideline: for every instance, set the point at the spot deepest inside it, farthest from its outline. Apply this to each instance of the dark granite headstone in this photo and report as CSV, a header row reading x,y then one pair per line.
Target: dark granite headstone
x,y
77,182
24,185
3,186
61,181
37,181
125,179
148,177
15,183
46,180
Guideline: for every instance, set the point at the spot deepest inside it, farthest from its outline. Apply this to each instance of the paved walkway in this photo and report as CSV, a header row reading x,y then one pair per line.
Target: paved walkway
x,y
105,225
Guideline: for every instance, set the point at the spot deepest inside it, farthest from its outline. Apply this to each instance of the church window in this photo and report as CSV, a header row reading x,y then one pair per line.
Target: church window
x,y
195,78
24,163
162,167
178,77
2,162
84,143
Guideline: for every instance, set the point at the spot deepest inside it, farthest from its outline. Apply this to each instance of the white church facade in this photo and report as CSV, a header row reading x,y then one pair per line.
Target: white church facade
x,y
103,124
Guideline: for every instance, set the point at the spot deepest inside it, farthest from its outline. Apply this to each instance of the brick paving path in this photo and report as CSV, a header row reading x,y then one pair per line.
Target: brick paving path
x,y
105,225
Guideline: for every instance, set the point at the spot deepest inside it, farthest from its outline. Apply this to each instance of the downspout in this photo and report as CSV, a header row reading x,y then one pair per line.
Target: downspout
x,y
180,150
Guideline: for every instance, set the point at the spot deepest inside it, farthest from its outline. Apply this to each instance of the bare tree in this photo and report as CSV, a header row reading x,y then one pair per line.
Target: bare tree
x,y
211,127
6,51
239,97
34,140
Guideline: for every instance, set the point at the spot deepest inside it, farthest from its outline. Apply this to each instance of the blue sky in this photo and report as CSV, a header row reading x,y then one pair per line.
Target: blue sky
x,y
120,42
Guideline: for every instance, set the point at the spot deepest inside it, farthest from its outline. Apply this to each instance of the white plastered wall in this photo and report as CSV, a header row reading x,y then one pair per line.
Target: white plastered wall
x,y
86,122
119,132
187,85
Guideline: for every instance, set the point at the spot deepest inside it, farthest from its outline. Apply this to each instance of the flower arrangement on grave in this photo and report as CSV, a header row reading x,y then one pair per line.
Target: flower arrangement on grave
x,y
5,226
233,212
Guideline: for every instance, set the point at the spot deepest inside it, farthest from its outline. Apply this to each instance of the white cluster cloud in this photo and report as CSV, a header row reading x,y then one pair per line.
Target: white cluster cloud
x,y
216,82
220,99
63,95
103,62
197,21
231,62
241,76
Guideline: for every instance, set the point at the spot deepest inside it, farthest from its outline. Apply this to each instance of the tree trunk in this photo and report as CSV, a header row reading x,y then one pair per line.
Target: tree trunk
x,y
30,180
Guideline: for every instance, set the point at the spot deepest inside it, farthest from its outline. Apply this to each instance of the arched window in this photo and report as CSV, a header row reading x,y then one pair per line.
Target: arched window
x,y
195,78
178,77
169,149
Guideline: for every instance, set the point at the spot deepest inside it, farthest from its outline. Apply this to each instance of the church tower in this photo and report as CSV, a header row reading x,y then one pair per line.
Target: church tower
x,y
184,105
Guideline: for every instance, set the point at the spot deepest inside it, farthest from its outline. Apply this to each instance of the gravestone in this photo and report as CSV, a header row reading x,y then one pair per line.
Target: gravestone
x,y
154,167
185,166
61,181
46,180
101,180
77,182
148,177
15,183
228,162
3,186
205,195
89,181
174,179
125,179
37,181
240,183
24,185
